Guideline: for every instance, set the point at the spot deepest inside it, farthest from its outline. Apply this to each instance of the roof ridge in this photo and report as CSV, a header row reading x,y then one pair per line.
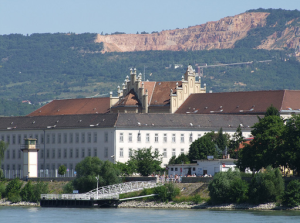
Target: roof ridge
x,y
283,98
152,94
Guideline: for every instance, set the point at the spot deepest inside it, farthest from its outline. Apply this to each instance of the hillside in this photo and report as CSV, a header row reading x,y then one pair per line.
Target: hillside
x,y
212,35
42,67
260,29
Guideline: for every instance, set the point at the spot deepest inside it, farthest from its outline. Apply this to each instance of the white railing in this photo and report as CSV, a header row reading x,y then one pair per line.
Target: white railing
x,y
123,188
12,174
77,197
107,192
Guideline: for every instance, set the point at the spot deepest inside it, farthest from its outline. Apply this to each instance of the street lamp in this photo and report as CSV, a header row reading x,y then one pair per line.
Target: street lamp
x,y
97,185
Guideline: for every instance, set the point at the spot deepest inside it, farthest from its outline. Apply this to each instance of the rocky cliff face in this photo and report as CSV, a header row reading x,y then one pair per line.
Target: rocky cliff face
x,y
288,38
221,34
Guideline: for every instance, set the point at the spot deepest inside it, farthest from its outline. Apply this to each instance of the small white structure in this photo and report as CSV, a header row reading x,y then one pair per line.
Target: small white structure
x,y
182,169
30,158
213,166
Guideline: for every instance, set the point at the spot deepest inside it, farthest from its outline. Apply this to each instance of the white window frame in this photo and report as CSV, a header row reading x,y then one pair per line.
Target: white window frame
x,y
182,138
121,152
165,153
121,137
165,137
129,137
173,138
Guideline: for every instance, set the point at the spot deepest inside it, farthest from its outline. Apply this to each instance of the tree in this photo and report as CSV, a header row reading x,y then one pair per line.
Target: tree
x,y
292,194
266,186
12,190
182,158
91,167
235,142
228,187
62,170
202,147
222,140
291,147
266,147
145,161
272,111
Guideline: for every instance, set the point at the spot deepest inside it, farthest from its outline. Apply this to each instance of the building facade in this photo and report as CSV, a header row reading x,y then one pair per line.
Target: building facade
x,y
68,139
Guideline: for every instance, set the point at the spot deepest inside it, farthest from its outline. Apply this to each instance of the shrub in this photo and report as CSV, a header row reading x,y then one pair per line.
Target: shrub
x,y
39,188
196,199
2,189
228,187
267,186
167,192
291,196
68,188
27,193
62,170
14,196
13,188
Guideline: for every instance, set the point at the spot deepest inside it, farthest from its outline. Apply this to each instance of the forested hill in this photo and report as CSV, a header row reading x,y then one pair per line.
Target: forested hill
x,y
42,67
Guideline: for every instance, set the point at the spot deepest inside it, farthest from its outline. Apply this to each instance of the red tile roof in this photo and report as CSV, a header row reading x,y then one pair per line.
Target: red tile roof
x,y
128,100
161,93
158,94
247,102
74,106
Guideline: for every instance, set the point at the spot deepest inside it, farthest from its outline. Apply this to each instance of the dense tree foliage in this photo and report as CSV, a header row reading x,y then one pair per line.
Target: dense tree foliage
x,y
203,147
266,186
92,167
210,144
228,187
235,142
12,190
62,169
180,159
32,192
291,146
145,161
292,194
167,192
276,142
266,147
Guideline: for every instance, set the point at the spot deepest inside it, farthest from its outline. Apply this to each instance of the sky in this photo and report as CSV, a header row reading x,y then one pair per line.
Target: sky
x,y
129,16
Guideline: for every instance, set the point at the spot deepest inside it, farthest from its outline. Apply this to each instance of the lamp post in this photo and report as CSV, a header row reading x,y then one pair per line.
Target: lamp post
x,y
97,185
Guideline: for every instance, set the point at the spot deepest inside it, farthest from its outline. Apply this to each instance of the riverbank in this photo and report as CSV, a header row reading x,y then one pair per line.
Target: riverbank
x,y
173,205
5,202
188,205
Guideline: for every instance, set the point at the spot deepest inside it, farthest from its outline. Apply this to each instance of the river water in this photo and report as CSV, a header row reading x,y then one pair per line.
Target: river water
x,y
56,215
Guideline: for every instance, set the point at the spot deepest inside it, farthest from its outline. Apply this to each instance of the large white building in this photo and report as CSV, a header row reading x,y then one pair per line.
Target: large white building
x,y
68,139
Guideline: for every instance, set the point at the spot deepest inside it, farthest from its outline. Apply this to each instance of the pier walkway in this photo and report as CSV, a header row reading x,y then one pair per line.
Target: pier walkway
x,y
103,196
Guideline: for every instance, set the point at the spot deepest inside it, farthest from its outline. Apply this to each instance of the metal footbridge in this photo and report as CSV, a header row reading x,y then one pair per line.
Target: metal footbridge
x,y
103,196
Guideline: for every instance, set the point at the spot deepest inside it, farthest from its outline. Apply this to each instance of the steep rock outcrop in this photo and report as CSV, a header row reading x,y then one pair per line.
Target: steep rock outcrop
x,y
221,34
288,38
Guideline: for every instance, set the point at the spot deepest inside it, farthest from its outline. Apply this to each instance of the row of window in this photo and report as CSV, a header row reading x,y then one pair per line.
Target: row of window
x,y
53,166
13,166
13,154
59,153
176,168
56,138
165,153
156,137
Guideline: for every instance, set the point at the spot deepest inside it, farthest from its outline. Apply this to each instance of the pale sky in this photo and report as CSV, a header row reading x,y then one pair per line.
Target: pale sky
x,y
129,16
